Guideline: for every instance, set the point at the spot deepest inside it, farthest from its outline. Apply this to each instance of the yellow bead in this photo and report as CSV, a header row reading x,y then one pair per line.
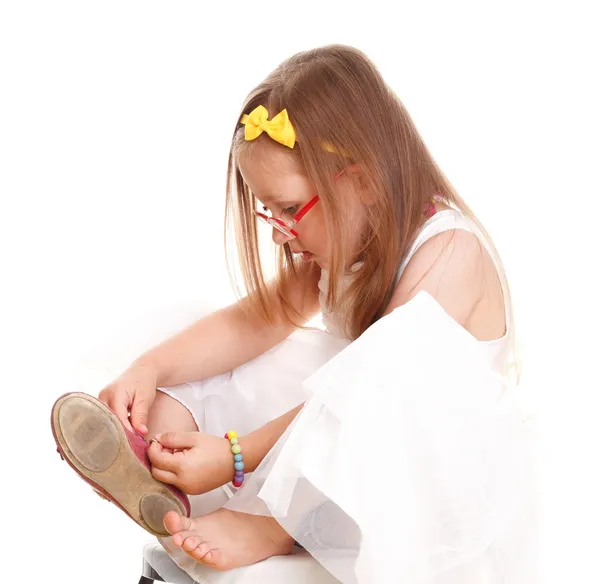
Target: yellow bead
x,y
231,435
236,449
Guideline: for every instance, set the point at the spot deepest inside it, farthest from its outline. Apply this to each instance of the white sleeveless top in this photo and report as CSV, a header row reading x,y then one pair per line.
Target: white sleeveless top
x,y
497,351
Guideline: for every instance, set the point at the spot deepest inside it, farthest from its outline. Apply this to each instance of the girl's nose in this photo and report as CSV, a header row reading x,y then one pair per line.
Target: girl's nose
x,y
279,238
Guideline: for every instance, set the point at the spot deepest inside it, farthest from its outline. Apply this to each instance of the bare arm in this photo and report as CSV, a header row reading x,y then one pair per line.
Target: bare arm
x,y
197,463
257,444
218,343
227,338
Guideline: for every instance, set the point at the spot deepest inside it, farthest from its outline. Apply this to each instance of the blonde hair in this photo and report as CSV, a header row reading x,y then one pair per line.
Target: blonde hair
x,y
336,95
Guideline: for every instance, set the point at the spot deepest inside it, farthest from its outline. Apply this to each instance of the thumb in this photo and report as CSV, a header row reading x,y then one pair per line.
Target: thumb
x,y
177,439
139,413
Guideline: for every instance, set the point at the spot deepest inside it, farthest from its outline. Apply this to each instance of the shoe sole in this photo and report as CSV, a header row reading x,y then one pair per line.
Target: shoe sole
x,y
93,442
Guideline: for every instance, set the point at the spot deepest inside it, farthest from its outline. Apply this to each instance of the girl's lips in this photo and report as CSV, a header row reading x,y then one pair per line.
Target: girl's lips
x,y
306,255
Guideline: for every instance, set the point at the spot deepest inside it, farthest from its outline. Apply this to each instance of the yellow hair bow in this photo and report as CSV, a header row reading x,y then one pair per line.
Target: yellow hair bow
x,y
279,128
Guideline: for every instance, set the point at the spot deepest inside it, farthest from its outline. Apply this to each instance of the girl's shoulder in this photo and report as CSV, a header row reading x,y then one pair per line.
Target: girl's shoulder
x,y
450,266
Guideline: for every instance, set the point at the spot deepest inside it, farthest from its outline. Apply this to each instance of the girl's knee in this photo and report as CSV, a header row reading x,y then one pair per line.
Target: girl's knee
x,y
169,415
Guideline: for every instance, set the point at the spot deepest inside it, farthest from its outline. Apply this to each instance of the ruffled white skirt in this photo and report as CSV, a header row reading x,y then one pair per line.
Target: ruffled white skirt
x,y
412,460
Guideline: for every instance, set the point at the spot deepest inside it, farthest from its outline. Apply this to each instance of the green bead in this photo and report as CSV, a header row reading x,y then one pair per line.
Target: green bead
x,y
236,449
233,441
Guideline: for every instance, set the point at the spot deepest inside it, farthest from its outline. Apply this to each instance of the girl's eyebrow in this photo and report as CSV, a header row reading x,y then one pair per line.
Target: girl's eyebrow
x,y
276,200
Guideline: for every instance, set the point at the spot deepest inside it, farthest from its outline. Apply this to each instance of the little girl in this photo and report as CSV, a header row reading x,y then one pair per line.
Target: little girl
x,y
390,446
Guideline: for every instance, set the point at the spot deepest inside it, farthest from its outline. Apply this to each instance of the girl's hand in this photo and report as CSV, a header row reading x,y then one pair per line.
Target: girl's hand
x,y
191,461
134,391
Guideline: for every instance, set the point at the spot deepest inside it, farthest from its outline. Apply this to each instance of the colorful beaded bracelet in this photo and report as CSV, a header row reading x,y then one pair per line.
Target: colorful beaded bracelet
x,y
238,459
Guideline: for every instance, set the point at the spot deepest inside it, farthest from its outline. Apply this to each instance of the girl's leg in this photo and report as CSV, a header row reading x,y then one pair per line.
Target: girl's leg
x,y
223,539
168,415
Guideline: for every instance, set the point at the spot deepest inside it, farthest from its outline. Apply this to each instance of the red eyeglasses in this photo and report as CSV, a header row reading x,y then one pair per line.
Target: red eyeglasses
x,y
287,227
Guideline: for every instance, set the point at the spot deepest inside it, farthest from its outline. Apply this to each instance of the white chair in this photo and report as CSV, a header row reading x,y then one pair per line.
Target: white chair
x,y
298,568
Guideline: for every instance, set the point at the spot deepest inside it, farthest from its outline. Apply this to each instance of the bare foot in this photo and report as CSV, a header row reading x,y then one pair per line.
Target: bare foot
x,y
226,539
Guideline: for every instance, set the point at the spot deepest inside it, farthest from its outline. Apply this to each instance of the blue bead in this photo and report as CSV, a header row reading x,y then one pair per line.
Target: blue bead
x,y
238,465
237,457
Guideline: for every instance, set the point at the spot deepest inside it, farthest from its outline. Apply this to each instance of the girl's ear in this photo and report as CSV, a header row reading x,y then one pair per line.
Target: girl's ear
x,y
357,175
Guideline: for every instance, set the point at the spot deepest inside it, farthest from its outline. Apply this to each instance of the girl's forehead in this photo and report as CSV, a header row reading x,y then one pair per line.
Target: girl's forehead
x,y
268,158
272,176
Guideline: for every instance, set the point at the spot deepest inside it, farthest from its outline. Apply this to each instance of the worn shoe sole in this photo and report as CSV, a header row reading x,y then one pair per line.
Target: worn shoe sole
x,y
93,441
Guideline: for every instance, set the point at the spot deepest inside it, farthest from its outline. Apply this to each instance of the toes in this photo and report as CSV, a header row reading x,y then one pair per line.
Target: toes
x,y
203,553
189,540
175,523
209,558
181,536
177,540
172,522
191,543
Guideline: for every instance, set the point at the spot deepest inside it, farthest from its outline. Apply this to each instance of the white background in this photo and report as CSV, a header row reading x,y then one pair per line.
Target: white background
x,y
115,123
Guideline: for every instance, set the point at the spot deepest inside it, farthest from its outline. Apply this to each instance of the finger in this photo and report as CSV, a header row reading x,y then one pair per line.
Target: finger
x,y
178,440
162,458
120,410
103,396
139,413
164,476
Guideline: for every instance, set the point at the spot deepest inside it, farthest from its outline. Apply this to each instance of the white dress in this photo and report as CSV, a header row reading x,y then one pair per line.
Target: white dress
x,y
412,458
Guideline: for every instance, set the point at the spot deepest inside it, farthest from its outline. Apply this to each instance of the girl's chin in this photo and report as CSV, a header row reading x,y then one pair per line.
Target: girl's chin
x,y
311,257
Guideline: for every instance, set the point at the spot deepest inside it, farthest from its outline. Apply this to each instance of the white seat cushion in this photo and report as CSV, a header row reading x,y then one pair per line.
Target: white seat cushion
x,y
297,568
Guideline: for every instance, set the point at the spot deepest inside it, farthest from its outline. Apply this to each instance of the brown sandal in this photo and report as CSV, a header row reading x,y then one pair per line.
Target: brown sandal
x,y
114,461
